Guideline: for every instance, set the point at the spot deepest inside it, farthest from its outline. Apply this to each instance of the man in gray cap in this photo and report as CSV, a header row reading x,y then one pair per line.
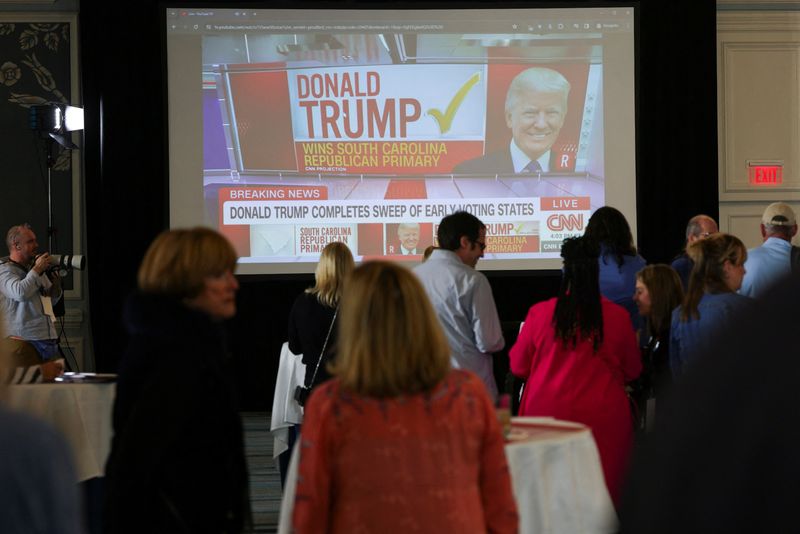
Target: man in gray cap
x,y
772,260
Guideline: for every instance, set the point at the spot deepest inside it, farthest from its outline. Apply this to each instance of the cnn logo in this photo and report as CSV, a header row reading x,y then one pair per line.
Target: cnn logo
x,y
559,222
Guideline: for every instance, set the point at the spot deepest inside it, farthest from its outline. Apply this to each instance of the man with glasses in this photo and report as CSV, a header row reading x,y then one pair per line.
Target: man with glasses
x,y
28,291
699,227
462,297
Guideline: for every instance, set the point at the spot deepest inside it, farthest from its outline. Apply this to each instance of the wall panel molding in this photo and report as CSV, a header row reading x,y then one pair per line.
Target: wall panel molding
x,y
758,21
758,75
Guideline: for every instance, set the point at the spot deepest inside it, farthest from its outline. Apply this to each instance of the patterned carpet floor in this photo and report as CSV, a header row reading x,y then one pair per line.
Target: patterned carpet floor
x,y
265,482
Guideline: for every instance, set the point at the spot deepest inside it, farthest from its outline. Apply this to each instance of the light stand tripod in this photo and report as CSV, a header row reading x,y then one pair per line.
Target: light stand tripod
x,y
59,308
52,123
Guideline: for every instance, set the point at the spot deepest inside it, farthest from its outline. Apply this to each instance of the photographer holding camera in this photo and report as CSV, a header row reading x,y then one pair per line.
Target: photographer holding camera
x,y
29,288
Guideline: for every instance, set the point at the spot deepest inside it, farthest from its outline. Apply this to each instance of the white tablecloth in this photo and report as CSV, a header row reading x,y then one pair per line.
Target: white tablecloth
x,y
81,412
556,475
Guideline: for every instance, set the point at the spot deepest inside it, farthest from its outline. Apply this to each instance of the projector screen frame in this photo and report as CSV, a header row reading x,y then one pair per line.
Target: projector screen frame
x,y
554,265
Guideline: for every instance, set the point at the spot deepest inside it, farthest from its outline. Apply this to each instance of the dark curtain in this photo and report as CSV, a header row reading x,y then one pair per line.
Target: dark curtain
x,y
126,167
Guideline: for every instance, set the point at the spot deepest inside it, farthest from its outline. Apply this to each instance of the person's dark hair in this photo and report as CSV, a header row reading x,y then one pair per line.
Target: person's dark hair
x,y
456,225
607,226
578,315
708,275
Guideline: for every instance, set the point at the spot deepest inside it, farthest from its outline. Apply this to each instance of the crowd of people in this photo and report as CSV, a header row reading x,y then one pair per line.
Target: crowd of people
x,y
399,390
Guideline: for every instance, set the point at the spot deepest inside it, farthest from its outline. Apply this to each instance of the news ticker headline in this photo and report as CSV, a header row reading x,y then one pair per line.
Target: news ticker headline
x,y
339,211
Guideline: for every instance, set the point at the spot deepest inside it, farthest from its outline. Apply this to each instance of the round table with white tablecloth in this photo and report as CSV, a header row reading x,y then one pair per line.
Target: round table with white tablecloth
x,y
557,478
80,411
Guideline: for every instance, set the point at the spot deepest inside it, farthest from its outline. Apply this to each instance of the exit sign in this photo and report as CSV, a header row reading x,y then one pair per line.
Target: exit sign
x,y
765,175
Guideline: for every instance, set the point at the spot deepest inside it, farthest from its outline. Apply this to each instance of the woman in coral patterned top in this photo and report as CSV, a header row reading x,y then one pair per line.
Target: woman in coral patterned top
x,y
399,442
576,352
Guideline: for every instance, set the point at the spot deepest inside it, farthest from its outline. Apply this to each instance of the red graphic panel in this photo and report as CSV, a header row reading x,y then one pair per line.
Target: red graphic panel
x,y
405,189
263,120
370,239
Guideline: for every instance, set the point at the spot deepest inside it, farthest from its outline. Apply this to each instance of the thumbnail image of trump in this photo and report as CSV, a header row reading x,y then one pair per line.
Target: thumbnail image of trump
x,y
407,239
535,109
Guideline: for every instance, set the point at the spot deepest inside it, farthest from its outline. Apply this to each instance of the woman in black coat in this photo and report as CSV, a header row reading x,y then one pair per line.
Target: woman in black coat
x,y
311,318
177,459
312,328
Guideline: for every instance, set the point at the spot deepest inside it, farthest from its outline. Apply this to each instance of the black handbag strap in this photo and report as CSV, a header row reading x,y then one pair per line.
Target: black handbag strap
x,y
324,345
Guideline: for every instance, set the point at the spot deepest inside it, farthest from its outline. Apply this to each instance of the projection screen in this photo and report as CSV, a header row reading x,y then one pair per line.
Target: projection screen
x,y
289,129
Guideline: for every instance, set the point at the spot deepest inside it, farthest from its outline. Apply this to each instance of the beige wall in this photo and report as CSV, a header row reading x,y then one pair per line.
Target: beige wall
x,y
758,83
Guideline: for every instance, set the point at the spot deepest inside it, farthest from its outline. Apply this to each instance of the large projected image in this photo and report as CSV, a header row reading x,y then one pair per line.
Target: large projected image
x,y
370,138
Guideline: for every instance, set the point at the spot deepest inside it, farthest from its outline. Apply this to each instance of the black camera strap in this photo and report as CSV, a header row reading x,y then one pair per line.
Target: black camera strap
x,y
324,345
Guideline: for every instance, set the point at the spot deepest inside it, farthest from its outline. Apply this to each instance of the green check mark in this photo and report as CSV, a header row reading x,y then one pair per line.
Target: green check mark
x,y
445,120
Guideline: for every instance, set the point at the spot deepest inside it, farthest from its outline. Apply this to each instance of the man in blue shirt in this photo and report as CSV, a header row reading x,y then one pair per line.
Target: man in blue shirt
x,y
771,261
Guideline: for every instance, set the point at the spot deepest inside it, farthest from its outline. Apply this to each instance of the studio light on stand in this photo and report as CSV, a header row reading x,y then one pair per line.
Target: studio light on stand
x,y
54,122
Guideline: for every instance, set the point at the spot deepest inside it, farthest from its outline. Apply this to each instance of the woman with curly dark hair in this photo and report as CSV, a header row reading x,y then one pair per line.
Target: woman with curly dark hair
x,y
576,352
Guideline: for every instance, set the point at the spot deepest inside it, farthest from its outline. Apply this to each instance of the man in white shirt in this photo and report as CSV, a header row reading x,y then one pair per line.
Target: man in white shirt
x,y
462,296
770,262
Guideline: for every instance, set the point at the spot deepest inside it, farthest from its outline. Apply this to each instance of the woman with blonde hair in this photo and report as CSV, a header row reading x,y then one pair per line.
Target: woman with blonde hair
x,y
312,327
177,457
313,315
399,441
711,298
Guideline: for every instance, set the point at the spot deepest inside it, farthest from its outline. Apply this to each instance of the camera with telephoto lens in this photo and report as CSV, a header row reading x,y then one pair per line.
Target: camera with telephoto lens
x,y
301,394
65,262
